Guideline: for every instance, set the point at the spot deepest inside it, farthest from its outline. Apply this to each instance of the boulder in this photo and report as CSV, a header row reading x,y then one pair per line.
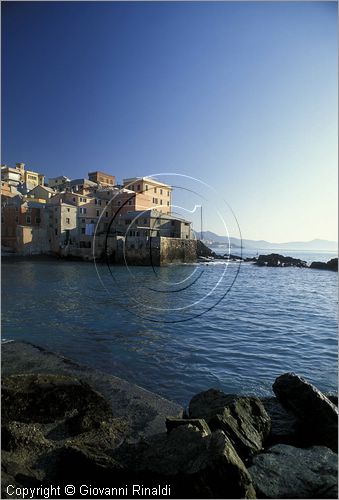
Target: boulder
x,y
93,466
37,398
318,417
243,419
277,260
284,425
18,436
288,472
195,465
331,265
174,422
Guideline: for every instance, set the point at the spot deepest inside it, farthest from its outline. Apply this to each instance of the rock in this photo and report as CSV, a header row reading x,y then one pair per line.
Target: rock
x,y
284,425
17,436
288,472
92,465
331,265
47,398
277,260
317,415
174,422
203,250
243,419
196,466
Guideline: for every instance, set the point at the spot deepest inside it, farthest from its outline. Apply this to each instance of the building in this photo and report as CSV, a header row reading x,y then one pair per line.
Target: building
x,y
58,182
101,178
11,175
41,193
81,186
158,193
62,224
18,175
19,212
152,223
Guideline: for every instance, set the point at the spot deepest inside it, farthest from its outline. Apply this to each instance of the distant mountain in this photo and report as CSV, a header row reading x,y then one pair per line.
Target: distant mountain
x,y
314,245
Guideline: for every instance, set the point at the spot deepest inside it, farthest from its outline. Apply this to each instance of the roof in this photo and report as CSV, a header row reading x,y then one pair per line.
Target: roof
x,y
82,181
100,172
146,179
48,189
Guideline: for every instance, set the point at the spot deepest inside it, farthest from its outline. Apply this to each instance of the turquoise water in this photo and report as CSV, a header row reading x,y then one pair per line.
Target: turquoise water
x,y
268,321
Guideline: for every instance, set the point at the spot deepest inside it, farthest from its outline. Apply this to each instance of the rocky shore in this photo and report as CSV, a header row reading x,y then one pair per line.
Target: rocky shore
x,y
205,254
65,424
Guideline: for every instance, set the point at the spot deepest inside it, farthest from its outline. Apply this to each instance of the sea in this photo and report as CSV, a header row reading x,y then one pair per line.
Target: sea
x,y
180,329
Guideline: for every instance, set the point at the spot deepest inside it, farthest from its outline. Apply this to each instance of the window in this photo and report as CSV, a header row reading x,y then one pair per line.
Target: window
x,y
37,220
16,209
167,193
160,191
83,230
83,211
98,213
106,214
168,203
2,218
95,201
155,190
130,202
138,188
106,203
28,219
74,199
68,221
145,221
146,187
160,202
16,219
56,232
127,221
83,220
67,209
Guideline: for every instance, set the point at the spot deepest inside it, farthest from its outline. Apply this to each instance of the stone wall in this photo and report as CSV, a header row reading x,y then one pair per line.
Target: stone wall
x,y
144,251
175,250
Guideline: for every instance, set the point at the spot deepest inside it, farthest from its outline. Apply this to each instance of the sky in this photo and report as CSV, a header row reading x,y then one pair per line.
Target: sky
x,y
239,95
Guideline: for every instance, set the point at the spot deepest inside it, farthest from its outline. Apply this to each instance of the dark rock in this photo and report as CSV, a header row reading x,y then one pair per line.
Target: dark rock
x,y
288,472
204,251
243,419
331,265
332,397
92,465
47,398
174,422
317,415
196,466
277,260
284,425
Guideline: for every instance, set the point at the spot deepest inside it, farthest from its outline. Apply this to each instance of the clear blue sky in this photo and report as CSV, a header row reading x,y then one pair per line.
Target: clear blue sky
x,y
241,95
